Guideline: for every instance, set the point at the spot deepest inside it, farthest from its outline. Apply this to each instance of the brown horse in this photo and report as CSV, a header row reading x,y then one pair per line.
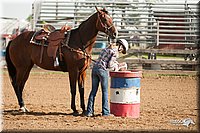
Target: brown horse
x,y
21,55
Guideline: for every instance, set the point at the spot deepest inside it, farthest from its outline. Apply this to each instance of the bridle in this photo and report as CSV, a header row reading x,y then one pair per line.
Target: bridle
x,y
105,26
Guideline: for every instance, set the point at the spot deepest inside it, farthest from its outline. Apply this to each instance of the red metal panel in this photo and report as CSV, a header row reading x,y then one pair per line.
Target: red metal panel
x,y
171,46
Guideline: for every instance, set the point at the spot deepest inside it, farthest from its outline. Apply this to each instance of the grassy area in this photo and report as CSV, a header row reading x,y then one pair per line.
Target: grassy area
x,y
169,75
182,75
145,56
159,56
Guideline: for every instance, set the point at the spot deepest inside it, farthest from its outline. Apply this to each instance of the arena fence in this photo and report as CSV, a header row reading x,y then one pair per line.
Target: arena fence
x,y
144,24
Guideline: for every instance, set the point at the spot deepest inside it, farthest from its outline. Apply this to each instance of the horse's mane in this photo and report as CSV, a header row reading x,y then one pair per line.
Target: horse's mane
x,y
103,10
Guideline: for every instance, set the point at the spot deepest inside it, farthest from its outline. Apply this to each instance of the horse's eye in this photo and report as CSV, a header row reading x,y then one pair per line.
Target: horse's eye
x,y
104,19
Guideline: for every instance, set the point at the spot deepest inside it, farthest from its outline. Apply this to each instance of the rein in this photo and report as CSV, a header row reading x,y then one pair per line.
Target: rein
x,y
78,51
82,51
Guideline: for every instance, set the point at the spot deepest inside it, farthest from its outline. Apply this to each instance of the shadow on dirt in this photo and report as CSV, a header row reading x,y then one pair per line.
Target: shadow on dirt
x,y
16,112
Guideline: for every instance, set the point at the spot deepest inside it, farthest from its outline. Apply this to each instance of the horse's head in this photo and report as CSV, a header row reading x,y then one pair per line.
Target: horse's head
x,y
105,23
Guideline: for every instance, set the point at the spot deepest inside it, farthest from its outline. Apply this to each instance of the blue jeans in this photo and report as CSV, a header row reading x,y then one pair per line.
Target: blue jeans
x,y
99,76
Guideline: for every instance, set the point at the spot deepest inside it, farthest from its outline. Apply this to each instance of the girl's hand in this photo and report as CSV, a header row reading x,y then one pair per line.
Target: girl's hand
x,y
123,66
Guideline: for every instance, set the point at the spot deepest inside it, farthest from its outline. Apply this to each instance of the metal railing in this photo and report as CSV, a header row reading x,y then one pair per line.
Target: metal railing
x,y
143,24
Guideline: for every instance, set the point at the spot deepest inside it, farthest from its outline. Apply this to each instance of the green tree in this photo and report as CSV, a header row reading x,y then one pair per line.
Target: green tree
x,y
29,18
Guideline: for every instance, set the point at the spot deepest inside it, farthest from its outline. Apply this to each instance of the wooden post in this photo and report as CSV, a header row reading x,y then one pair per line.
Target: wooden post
x,y
56,9
157,40
33,18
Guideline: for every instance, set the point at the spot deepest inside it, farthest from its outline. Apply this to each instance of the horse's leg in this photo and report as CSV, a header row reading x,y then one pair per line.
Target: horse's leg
x,y
81,80
73,75
21,78
24,109
18,94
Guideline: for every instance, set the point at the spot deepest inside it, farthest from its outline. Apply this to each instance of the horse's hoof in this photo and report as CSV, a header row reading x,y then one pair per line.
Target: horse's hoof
x,y
23,110
75,113
84,113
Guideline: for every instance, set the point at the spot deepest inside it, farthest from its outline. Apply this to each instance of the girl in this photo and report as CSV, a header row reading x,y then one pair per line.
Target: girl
x,y
100,74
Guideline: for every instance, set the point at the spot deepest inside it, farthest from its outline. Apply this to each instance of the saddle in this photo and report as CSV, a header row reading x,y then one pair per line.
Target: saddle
x,y
44,32
51,37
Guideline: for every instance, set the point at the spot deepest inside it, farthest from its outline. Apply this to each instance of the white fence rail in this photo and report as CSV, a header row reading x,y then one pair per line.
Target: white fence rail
x,y
143,24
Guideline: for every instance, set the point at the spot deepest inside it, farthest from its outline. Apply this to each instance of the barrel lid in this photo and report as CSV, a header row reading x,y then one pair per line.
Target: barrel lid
x,y
126,74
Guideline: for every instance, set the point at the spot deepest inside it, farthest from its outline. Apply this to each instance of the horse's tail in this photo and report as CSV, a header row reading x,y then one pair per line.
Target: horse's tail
x,y
11,68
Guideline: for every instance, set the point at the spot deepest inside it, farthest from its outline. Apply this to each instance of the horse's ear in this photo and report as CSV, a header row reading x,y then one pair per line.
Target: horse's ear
x,y
97,9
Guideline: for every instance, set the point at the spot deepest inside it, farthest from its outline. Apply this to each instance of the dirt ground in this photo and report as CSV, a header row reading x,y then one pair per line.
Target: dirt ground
x,y
166,99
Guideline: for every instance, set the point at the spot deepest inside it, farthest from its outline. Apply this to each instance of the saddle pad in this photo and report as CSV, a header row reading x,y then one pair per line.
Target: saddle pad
x,y
41,36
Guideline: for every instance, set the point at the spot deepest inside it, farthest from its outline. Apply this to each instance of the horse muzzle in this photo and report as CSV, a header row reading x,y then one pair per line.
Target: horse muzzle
x,y
113,34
